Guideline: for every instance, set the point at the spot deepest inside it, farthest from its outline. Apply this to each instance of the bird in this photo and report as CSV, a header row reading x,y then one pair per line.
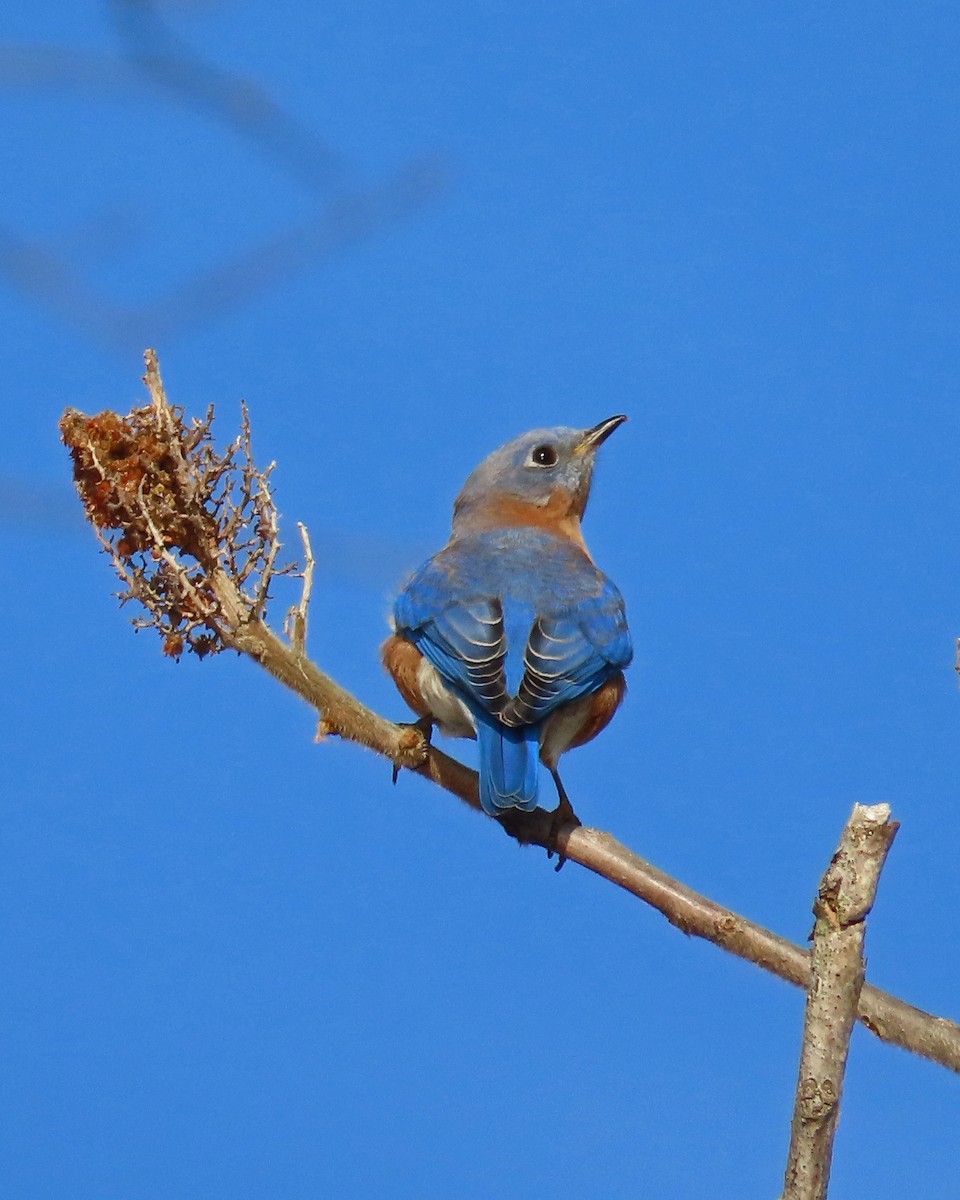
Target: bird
x,y
511,634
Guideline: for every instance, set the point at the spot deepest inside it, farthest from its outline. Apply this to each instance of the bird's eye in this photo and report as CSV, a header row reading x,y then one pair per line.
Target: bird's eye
x,y
544,456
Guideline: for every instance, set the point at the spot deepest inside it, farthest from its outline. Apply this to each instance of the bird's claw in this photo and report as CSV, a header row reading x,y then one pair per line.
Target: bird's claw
x,y
563,815
424,726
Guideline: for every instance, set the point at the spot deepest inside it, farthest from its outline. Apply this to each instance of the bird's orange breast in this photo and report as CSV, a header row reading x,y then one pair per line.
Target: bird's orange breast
x,y
557,516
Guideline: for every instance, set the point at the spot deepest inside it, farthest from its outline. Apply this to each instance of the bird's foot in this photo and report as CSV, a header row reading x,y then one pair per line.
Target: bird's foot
x,y
423,726
562,815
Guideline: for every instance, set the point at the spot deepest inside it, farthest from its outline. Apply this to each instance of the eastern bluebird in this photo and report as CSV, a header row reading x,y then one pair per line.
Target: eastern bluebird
x,y
510,634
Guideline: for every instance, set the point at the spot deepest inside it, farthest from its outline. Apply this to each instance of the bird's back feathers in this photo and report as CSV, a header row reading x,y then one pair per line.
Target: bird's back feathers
x,y
519,622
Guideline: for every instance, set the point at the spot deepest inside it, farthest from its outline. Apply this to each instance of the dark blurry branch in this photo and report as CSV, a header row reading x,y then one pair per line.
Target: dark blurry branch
x,y
344,210
153,57
156,51
31,507
846,896
193,535
43,66
342,222
362,557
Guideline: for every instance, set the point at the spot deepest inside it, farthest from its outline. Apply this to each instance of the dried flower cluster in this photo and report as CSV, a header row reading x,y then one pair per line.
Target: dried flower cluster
x,y
189,528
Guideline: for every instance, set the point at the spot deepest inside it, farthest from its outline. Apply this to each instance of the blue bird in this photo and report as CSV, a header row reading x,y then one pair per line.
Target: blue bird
x,y
511,635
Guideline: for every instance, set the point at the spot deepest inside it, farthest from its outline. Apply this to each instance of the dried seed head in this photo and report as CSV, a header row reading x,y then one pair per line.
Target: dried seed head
x,y
183,522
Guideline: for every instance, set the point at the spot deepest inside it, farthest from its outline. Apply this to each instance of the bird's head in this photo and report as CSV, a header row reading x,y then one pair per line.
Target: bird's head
x,y
540,478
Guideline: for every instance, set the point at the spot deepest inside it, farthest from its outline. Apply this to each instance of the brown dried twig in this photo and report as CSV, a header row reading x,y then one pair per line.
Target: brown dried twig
x,y
193,535
845,898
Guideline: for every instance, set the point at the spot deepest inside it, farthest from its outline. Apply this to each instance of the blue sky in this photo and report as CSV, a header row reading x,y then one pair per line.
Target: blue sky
x,y
241,965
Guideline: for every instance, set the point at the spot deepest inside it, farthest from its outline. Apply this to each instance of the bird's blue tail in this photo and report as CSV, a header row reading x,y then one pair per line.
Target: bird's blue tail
x,y
508,765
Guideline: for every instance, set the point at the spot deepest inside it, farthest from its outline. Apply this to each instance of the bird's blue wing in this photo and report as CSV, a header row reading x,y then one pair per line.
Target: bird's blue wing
x,y
463,638
569,654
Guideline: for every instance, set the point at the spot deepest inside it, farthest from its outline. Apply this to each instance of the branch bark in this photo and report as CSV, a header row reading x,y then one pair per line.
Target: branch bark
x,y
193,536
846,896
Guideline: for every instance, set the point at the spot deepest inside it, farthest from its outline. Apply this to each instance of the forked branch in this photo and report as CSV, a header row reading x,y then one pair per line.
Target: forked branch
x,y
193,535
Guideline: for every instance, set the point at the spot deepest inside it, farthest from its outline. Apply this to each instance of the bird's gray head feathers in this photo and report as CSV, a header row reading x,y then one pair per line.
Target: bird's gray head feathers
x,y
549,470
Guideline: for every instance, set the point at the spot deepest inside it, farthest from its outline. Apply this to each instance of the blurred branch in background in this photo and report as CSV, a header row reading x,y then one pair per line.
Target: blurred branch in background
x,y
49,277
27,506
164,505
361,559
154,57
152,47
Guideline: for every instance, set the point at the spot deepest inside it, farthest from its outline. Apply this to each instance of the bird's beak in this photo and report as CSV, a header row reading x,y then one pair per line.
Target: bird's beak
x,y
599,433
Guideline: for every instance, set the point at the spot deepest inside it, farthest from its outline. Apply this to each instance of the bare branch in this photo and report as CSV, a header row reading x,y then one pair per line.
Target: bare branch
x,y
197,564
296,624
836,978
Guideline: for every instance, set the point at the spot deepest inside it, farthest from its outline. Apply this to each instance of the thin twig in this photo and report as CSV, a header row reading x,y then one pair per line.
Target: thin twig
x,y
837,969
297,620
